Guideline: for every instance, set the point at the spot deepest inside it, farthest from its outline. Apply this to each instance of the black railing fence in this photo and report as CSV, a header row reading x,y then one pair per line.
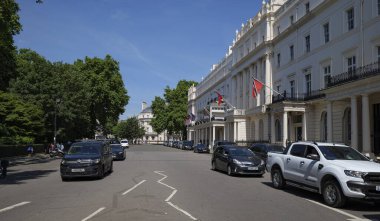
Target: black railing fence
x,y
297,96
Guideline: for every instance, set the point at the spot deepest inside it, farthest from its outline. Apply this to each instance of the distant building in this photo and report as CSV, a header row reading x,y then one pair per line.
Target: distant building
x,y
144,118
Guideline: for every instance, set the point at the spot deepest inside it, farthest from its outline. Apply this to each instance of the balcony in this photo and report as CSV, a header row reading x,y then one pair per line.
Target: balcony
x,y
300,97
354,75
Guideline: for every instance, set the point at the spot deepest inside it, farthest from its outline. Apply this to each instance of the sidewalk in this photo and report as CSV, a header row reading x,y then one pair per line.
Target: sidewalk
x,y
36,158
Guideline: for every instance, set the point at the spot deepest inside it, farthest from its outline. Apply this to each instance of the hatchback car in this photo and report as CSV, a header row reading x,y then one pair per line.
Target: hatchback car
x,y
124,143
261,149
201,148
87,159
237,160
118,152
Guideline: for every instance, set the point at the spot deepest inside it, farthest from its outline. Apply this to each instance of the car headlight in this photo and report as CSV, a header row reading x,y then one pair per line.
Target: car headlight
x,y
353,173
236,162
120,152
95,161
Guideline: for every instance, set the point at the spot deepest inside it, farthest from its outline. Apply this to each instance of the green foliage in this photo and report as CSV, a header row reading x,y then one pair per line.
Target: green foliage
x,y
129,129
21,122
171,112
9,26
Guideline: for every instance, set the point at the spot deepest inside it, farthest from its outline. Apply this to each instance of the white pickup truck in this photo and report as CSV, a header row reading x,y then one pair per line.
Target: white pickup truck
x,y
338,172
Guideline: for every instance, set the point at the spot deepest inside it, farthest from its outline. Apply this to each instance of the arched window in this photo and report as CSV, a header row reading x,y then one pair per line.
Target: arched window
x,y
323,124
261,130
278,130
347,126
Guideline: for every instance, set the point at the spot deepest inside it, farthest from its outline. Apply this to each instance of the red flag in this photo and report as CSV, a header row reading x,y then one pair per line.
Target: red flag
x,y
220,98
256,87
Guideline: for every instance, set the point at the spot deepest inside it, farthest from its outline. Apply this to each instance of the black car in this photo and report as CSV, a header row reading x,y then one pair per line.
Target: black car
x,y
261,149
187,145
201,148
221,143
118,152
87,159
237,160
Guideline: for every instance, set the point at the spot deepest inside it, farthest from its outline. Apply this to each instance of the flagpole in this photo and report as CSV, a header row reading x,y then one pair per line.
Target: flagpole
x,y
268,87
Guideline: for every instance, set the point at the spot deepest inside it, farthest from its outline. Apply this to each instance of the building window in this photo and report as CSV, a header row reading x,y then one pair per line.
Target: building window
x,y
291,49
278,60
350,19
326,32
278,30
278,131
351,64
292,88
255,44
291,18
308,84
263,38
378,53
307,7
324,126
378,7
307,43
327,73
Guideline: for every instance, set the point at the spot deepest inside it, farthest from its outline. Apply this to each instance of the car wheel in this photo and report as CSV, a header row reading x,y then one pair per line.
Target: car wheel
x,y
333,195
101,172
213,166
229,170
277,179
64,179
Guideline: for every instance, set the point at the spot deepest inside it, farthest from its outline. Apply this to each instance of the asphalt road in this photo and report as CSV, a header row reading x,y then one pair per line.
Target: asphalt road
x,y
161,183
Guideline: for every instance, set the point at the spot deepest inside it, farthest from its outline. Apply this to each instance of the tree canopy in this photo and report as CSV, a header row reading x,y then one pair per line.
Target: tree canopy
x,y
129,129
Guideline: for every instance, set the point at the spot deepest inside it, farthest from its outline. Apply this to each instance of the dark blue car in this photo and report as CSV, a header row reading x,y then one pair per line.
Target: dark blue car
x,y
201,148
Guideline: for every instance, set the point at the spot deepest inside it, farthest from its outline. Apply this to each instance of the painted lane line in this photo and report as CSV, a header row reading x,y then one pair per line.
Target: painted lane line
x,y
164,177
93,214
338,211
14,206
134,187
171,195
181,210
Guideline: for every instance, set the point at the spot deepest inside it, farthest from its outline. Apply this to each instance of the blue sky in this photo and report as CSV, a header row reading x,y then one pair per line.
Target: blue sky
x,y
157,42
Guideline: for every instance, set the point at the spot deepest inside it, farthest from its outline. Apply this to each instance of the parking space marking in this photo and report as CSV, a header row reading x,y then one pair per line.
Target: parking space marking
x,y
93,214
352,217
134,187
13,206
171,195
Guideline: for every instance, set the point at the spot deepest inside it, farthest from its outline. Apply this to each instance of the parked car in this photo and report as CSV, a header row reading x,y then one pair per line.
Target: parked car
x,y
170,143
261,149
87,159
187,145
237,160
124,143
179,145
201,148
175,144
118,152
338,172
221,143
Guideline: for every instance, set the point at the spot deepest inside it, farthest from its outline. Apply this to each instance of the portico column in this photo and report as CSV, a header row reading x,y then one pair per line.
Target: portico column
x,y
285,128
272,129
304,125
366,124
212,133
235,129
354,123
329,122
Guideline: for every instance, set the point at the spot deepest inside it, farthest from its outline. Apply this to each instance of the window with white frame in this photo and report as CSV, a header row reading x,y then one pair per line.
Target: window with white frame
x,y
307,43
350,19
307,7
291,50
278,59
308,82
292,88
326,32
351,63
326,74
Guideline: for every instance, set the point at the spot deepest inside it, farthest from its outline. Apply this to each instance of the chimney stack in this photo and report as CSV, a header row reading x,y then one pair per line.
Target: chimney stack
x,y
143,105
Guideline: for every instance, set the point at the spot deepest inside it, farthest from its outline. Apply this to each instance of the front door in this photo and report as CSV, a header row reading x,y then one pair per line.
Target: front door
x,y
298,133
376,128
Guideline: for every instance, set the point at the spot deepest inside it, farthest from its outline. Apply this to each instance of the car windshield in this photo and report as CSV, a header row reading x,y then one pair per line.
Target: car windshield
x,y
200,145
341,153
275,149
226,143
124,141
84,149
240,152
116,148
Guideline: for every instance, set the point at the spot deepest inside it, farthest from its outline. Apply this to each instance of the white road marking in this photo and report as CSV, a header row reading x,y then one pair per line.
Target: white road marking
x,y
14,206
352,217
93,214
183,211
134,187
172,194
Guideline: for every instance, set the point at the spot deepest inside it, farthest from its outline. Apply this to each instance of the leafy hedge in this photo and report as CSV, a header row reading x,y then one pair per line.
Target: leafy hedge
x,y
19,150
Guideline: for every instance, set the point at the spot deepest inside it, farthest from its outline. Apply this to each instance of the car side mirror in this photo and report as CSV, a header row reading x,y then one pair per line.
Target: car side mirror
x,y
313,157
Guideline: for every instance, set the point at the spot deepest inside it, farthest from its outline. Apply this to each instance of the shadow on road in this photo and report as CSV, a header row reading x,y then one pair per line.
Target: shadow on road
x,y
20,177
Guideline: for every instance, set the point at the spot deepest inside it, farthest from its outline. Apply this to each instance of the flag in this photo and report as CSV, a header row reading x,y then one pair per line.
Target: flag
x,y
256,87
220,98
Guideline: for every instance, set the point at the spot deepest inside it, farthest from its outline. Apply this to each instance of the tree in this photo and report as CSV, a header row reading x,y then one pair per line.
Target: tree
x,y
9,26
129,129
21,122
159,121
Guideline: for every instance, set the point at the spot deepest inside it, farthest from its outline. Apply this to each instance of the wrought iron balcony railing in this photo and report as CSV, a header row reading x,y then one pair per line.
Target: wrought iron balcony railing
x,y
298,97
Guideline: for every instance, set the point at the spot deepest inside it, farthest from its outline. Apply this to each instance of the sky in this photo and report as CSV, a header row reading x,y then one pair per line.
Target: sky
x,y
156,42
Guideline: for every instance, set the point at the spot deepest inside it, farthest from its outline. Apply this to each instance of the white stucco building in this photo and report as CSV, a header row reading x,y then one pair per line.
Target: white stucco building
x,y
322,56
145,117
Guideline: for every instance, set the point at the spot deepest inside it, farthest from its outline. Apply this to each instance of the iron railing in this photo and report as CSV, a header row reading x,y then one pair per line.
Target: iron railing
x,y
298,97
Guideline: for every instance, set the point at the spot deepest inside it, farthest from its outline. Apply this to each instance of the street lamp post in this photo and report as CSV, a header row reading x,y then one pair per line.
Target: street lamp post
x,y
55,120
